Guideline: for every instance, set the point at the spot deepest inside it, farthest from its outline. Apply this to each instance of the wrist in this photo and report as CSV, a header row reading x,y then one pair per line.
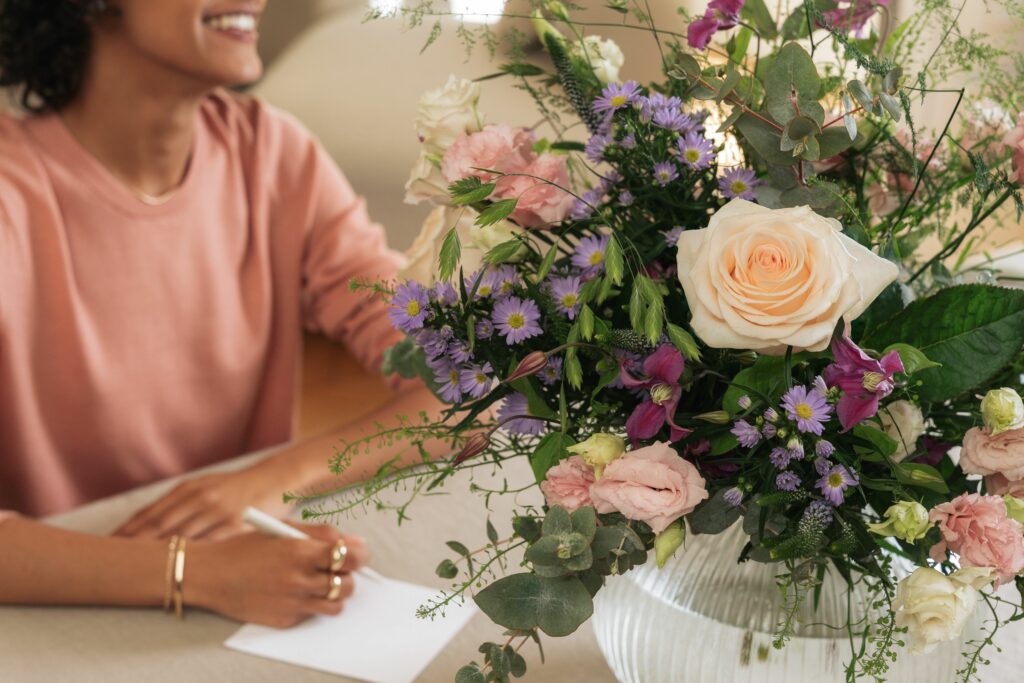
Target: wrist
x,y
201,578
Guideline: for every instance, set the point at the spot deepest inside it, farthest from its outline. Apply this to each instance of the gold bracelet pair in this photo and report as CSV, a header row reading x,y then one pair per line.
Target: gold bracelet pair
x,y
174,578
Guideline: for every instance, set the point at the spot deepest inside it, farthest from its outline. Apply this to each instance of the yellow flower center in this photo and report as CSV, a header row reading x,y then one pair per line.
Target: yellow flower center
x,y
692,155
413,308
872,380
481,378
569,300
661,393
804,411
738,187
516,320
835,480
596,258
483,290
619,100
453,376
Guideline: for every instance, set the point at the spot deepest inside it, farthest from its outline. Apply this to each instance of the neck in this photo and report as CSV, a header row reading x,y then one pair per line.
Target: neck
x,y
134,117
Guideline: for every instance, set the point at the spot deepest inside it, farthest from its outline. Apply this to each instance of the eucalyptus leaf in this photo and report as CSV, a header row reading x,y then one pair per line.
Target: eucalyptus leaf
x,y
557,606
791,75
890,104
713,516
764,139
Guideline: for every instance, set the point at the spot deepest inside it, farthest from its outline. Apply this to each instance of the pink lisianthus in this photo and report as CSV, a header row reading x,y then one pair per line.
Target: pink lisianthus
x,y
1003,453
652,485
497,147
568,484
999,485
977,528
1014,140
539,203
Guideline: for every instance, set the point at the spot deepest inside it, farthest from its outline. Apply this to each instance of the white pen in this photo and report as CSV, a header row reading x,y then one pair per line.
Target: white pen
x,y
275,527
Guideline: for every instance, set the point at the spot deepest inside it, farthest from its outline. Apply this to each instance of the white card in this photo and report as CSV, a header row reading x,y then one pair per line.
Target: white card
x,y
378,621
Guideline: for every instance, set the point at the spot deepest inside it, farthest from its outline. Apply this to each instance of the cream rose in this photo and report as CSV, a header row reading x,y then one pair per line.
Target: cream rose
x,y
603,56
935,608
422,256
903,422
445,113
764,279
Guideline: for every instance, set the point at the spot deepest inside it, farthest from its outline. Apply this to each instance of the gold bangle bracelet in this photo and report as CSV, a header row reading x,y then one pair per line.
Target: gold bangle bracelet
x,y
172,549
179,579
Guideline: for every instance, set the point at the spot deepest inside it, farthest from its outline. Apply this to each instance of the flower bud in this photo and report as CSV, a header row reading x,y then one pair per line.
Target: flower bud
x,y
771,415
907,520
1014,508
668,541
744,402
543,27
557,10
475,445
716,417
1002,410
599,451
531,364
733,496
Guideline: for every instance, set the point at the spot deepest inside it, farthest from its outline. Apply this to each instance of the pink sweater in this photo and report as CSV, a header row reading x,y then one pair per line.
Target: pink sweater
x,y
140,341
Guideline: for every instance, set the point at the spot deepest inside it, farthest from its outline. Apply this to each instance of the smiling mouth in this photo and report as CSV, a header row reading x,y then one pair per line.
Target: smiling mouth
x,y
235,24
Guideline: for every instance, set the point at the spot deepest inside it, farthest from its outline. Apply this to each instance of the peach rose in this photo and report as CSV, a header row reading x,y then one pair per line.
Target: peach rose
x,y
1014,141
568,484
540,203
498,147
1000,454
977,528
999,485
764,279
651,484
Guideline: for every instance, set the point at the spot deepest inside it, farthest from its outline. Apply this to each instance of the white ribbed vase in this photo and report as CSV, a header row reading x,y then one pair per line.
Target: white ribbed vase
x,y
705,619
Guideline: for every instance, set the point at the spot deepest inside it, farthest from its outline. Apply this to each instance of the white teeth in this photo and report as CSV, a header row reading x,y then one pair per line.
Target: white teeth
x,y
236,22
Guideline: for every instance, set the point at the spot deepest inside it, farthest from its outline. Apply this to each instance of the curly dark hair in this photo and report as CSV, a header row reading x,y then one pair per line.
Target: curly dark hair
x,y
44,48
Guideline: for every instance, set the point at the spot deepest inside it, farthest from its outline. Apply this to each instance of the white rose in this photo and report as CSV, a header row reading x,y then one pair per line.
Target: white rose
x,y
422,256
764,279
935,608
426,182
903,422
444,114
603,55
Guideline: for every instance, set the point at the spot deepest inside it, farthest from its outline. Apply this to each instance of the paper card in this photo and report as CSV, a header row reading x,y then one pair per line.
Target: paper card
x,y
378,622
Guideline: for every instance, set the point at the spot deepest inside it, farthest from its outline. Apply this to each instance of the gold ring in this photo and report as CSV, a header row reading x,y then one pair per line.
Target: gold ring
x,y
334,592
338,554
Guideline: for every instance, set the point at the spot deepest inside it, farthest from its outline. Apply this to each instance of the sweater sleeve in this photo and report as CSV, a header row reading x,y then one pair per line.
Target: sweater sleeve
x,y
342,245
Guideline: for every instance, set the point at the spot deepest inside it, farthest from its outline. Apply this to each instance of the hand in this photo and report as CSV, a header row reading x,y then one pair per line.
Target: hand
x,y
267,580
211,506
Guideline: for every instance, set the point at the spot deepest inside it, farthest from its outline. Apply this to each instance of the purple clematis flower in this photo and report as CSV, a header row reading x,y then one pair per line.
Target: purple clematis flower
x,y
862,379
662,370
700,32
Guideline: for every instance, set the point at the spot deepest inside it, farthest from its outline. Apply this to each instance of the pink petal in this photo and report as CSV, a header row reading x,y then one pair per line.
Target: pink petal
x,y
853,410
666,364
646,421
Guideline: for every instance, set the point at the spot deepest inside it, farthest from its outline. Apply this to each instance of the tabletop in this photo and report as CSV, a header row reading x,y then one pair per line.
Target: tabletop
x,y
122,645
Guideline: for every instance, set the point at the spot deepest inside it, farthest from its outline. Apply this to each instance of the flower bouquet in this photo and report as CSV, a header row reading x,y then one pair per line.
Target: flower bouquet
x,y
728,295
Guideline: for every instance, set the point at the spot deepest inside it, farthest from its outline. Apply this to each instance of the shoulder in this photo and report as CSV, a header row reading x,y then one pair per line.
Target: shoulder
x,y
22,173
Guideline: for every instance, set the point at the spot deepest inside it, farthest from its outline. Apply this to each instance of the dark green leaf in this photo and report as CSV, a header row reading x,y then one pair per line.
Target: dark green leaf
x,y
536,404
527,528
557,606
459,548
470,674
469,191
876,442
921,475
503,252
548,452
713,516
492,533
833,141
496,212
568,146
764,139
521,69
723,443
792,72
913,358
762,380
447,570
451,252
756,12
549,260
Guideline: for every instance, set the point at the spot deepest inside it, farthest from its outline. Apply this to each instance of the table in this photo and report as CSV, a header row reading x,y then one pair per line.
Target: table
x,y
125,645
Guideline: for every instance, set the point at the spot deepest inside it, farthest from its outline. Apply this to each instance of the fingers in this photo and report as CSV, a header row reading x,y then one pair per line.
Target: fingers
x,y
319,604
203,525
356,557
168,512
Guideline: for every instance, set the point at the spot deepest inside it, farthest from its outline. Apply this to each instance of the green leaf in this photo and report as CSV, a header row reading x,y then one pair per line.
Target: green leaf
x,y
793,72
573,370
756,12
890,104
880,443
861,94
584,522
451,252
492,533
684,341
912,357
974,331
723,443
833,141
764,139
653,321
762,380
613,261
713,516
549,260
458,547
740,45
496,212
469,191
503,252
447,569
568,146
535,403
521,69
547,454
470,674
920,475
731,119
586,323
557,606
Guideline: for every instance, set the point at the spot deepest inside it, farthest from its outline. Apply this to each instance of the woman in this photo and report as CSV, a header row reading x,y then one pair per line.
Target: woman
x,y
162,242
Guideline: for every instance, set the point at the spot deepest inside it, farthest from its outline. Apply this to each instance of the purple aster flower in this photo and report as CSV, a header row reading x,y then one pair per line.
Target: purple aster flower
x,y
796,448
444,293
596,146
484,329
733,496
583,207
516,319
589,254
770,415
824,449
459,352
833,484
628,142
673,120
787,481
552,372
616,96
809,409
447,375
822,466
626,198
768,430
566,293
780,457
738,182
503,279
746,433
665,172
476,380
432,342
863,380
517,407
696,151
662,370
409,306
672,236
480,283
